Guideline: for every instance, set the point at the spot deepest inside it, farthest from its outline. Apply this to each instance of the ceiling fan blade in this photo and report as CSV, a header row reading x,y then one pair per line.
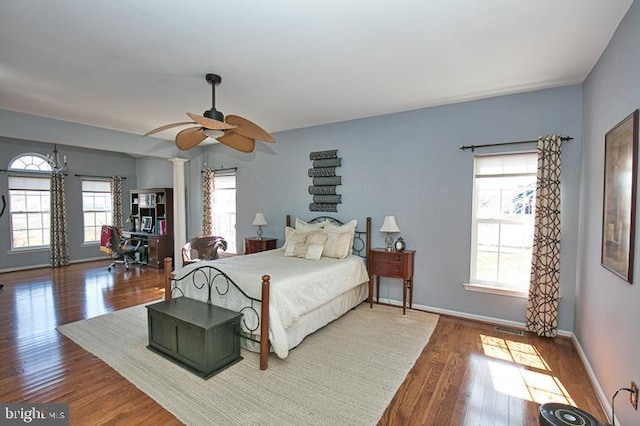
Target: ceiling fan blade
x,y
237,141
188,138
210,123
167,126
248,128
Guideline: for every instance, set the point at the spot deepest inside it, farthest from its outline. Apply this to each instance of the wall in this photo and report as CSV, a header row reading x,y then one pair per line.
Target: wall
x,y
30,127
81,161
409,165
607,308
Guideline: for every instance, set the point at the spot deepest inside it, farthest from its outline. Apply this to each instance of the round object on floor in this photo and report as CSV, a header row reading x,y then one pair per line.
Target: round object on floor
x,y
554,414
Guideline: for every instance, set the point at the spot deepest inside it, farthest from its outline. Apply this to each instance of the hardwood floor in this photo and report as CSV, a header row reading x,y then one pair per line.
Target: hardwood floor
x,y
468,374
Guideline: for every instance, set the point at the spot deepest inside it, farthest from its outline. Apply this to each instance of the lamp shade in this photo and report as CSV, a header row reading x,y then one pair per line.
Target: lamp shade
x,y
259,220
389,225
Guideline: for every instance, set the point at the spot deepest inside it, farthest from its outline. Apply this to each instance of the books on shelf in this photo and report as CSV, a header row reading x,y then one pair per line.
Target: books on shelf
x,y
161,227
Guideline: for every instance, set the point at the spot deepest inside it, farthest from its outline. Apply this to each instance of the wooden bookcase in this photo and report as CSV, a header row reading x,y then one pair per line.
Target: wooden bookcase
x,y
152,219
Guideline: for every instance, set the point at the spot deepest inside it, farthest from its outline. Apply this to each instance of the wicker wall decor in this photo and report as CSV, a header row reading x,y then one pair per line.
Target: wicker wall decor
x,y
325,180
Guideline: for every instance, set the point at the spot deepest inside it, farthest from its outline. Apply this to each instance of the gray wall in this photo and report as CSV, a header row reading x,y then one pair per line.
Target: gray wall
x,y
81,161
608,308
409,165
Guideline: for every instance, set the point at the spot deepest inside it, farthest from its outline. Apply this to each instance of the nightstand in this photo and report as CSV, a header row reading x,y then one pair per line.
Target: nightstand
x,y
392,264
254,245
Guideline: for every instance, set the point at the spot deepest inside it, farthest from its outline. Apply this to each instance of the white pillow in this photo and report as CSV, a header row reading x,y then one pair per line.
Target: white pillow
x,y
338,244
340,241
315,245
309,245
293,235
305,226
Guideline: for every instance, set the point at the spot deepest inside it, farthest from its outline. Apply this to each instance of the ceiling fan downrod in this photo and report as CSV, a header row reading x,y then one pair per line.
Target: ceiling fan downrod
x,y
213,113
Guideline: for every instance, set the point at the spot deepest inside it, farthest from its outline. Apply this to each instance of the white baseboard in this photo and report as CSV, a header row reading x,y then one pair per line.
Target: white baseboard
x,y
602,396
46,265
474,317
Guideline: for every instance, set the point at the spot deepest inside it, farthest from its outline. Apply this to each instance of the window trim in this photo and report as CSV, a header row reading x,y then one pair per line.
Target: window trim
x,y
233,247
489,286
28,173
110,211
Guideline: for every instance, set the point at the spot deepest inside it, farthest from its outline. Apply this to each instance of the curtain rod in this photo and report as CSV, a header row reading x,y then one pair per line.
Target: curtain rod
x,y
30,172
235,169
99,177
473,147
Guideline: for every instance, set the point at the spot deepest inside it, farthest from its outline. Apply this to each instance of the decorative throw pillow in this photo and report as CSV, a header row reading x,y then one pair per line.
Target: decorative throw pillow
x,y
338,244
293,235
296,249
315,245
340,239
310,247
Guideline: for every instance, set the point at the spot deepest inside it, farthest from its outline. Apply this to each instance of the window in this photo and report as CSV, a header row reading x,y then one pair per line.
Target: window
x,y
504,199
224,209
29,202
97,208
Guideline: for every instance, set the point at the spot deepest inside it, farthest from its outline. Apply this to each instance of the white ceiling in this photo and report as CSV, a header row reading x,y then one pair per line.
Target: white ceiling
x,y
133,65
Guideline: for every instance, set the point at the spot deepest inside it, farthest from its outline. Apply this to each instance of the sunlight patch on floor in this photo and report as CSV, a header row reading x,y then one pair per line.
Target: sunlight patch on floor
x,y
520,371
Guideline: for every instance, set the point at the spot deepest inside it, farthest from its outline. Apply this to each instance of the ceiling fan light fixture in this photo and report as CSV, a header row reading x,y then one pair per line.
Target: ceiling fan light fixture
x,y
212,126
214,134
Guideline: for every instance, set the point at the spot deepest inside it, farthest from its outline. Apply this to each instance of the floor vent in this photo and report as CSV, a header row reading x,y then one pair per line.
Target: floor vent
x,y
509,330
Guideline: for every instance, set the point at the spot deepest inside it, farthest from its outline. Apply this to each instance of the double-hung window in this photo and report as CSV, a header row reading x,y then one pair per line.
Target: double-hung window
x,y
224,209
97,208
504,196
29,201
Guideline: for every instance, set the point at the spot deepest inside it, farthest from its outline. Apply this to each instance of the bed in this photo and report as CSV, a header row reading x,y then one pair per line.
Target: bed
x,y
283,294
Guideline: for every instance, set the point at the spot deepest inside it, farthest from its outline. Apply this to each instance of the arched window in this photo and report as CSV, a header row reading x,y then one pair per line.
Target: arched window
x,y
29,201
30,162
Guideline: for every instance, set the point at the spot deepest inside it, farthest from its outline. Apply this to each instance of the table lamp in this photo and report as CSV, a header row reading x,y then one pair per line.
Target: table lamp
x,y
389,226
259,221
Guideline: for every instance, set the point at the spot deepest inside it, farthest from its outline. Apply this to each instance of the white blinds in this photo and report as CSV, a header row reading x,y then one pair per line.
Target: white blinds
x,y
96,186
29,183
510,164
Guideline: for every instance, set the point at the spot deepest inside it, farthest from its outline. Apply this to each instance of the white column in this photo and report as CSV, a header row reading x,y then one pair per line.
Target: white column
x,y
179,211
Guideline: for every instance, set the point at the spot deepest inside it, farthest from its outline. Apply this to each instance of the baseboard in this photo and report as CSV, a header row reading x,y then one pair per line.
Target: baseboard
x,y
474,317
602,396
46,265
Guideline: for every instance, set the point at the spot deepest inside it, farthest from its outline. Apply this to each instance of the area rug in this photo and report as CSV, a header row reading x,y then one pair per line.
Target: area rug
x,y
345,373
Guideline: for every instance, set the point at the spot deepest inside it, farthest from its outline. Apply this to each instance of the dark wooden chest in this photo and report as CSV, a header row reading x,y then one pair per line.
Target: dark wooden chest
x,y
201,337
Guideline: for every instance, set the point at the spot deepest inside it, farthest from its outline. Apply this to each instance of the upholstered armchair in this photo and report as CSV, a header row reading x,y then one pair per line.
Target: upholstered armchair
x,y
202,248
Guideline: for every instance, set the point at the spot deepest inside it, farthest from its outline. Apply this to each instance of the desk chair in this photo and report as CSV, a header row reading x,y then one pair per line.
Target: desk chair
x,y
121,250
202,248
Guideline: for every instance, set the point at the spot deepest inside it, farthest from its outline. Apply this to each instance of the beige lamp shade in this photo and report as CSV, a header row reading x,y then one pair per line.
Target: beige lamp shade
x,y
259,220
389,225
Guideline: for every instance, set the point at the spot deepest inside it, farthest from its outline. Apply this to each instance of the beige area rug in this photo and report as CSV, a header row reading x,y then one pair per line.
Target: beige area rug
x,y
344,374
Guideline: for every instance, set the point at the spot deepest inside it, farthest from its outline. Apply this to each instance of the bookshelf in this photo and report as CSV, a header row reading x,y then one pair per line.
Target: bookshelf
x,y
152,219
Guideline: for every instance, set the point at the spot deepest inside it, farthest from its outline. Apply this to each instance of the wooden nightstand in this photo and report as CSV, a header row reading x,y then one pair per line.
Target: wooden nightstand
x,y
254,245
392,264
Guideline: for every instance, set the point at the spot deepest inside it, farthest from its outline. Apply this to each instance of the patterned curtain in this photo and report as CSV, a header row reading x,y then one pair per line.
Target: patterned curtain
x,y
116,198
207,200
59,244
544,289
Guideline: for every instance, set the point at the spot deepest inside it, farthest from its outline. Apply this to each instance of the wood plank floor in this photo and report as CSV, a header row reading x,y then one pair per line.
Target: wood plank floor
x,y
468,374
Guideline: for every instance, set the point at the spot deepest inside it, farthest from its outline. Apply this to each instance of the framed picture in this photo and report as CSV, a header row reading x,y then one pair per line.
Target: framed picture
x,y
147,224
619,204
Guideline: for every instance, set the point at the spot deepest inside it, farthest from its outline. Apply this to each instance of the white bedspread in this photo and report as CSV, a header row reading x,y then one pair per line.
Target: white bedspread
x,y
298,285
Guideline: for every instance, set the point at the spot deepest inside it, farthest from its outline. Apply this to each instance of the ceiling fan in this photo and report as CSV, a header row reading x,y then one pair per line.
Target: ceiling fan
x,y
234,131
